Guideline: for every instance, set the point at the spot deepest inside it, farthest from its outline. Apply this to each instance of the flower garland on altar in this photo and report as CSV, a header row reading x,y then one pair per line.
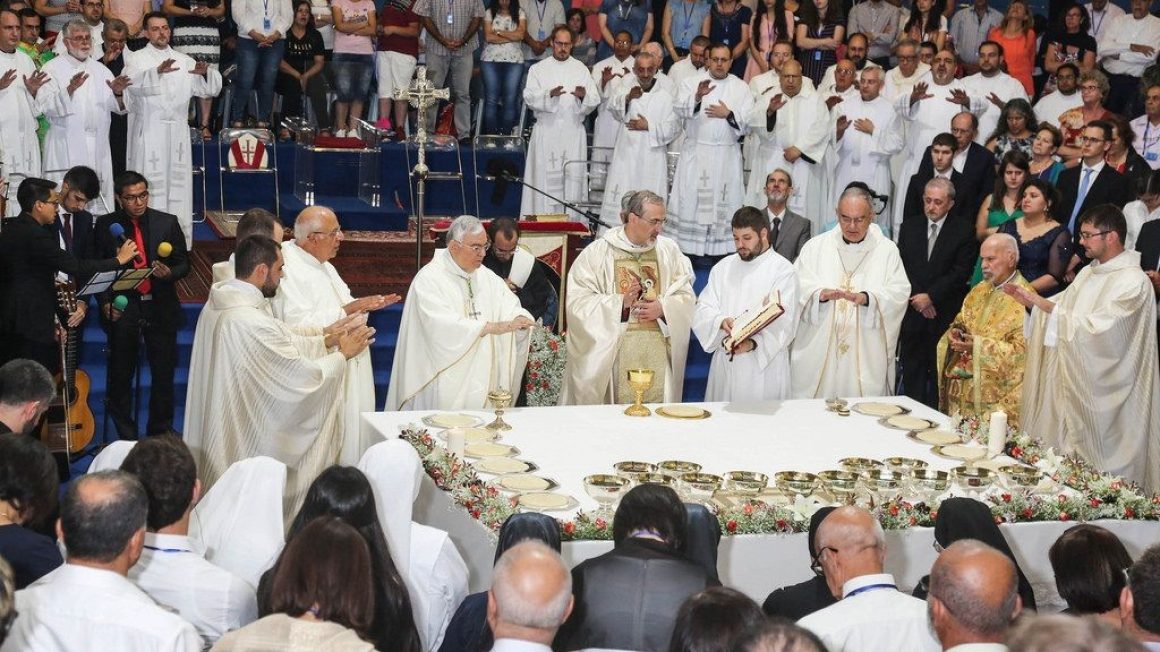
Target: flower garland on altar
x,y
1095,495
545,368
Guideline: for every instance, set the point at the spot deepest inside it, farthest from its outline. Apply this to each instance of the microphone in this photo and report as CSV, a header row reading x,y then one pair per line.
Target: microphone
x,y
120,301
164,249
118,232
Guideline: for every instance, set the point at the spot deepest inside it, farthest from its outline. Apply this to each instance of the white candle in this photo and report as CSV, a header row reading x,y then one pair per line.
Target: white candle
x,y
456,442
997,433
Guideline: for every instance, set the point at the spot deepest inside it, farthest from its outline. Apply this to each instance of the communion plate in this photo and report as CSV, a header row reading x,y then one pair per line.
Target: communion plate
x,y
542,501
447,420
879,409
960,452
489,449
683,412
521,482
934,437
500,465
905,422
472,435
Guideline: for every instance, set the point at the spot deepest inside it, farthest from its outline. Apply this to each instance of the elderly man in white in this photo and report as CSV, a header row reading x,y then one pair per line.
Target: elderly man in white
x,y
20,84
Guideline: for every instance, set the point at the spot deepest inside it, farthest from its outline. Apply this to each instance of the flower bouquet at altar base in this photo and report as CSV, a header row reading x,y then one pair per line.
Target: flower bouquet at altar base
x,y
545,373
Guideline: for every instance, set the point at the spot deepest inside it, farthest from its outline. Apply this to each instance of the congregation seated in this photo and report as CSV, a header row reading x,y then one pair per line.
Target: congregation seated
x,y
802,599
530,597
1140,599
1089,562
714,620
1061,633
974,596
779,635
28,491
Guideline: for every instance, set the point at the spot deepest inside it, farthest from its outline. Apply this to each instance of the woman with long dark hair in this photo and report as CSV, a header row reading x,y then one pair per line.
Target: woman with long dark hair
x,y
1017,36
300,72
772,22
819,33
1068,41
926,24
1004,203
1014,131
502,64
1044,243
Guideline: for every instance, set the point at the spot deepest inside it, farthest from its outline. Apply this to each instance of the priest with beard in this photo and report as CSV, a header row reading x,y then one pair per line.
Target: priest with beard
x,y
755,368
524,274
260,387
853,293
629,304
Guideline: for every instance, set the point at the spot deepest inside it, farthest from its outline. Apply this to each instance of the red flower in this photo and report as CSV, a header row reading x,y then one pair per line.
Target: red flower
x,y
569,528
475,514
533,375
1027,513
1016,451
1129,512
1063,516
1095,502
601,524
554,345
894,510
543,384
781,524
913,521
529,387
1006,498
731,526
747,509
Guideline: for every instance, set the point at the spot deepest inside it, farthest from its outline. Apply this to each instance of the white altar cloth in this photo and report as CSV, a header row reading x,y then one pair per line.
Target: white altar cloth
x,y
568,443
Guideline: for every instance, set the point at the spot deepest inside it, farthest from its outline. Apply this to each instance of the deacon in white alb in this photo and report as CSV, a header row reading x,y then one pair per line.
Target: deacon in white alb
x,y
756,369
158,102
464,332
20,82
607,75
79,101
865,137
644,113
312,295
853,291
561,92
629,306
709,183
993,84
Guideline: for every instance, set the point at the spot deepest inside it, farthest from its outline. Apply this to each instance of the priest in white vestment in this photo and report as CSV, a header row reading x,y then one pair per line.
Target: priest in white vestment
x,y
765,86
260,387
927,112
994,85
852,293
464,332
313,295
79,101
819,199
256,221
607,75
682,70
158,102
1090,385
791,127
756,368
629,304
560,91
900,80
709,182
20,83
865,137
644,113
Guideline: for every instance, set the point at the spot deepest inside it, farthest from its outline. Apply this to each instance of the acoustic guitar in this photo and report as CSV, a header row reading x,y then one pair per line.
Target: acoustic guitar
x,y
69,424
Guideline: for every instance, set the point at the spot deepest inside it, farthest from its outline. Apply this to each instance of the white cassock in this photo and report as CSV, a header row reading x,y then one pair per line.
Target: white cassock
x,y
924,120
441,360
312,295
1005,87
78,126
842,349
1051,106
96,32
818,199
559,134
19,146
865,157
708,186
678,73
735,286
895,83
260,387
596,334
800,123
763,87
1090,385
158,141
606,128
640,160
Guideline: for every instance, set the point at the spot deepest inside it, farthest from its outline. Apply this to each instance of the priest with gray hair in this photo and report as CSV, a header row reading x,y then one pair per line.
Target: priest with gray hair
x,y
463,332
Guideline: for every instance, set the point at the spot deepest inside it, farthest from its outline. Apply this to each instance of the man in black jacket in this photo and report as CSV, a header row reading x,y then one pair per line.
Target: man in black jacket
x,y
528,277
1091,183
151,310
974,162
939,162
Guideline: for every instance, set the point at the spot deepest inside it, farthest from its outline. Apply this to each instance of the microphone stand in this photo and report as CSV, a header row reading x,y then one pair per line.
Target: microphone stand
x,y
593,218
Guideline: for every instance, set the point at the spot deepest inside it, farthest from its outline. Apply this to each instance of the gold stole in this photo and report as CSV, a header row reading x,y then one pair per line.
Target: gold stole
x,y
644,345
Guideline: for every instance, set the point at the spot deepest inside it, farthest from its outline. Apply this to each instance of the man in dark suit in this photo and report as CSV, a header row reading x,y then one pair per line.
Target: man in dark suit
x,y
1148,244
938,163
30,258
788,231
1091,183
939,256
151,310
535,292
974,162
74,223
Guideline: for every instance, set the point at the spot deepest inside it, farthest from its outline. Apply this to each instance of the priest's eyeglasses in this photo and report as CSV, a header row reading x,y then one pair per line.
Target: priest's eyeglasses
x,y
475,249
330,234
1088,236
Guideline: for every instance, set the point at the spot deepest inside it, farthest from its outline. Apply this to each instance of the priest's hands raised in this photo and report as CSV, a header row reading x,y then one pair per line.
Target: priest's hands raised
x,y
1027,299
7,79
520,323
856,298
169,65
373,302
76,82
355,340
335,330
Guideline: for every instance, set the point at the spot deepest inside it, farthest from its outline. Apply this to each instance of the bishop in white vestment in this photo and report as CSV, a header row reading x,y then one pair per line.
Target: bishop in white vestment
x,y
865,137
158,102
1090,384
853,292
709,182
561,92
758,369
464,332
19,146
629,304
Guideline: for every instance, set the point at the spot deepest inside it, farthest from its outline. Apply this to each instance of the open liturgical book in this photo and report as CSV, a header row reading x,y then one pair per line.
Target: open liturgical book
x,y
754,319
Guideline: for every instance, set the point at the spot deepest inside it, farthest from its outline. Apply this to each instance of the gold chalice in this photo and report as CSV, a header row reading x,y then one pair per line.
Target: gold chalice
x,y
501,399
641,381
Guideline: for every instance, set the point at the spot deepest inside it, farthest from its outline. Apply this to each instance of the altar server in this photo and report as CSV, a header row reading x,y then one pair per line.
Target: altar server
x,y
561,92
629,304
853,292
312,295
20,83
158,102
647,124
463,333
258,387
1091,383
865,136
757,368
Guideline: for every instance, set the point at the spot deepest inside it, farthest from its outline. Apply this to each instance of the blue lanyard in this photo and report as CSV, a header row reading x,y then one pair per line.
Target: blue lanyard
x,y
867,589
156,549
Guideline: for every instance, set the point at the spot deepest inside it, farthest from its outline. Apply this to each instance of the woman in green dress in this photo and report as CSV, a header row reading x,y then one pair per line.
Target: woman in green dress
x,y
1004,203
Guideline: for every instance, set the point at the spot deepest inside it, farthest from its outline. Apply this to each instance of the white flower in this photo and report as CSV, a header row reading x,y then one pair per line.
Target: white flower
x,y
1049,461
803,507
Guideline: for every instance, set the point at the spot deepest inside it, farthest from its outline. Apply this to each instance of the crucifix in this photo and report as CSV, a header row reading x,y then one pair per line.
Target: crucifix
x,y
421,94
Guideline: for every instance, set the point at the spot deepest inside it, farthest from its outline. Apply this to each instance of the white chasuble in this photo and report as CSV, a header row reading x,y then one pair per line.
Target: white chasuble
x,y
19,146
842,349
558,136
159,141
709,182
78,132
599,342
800,123
260,387
312,295
640,159
441,360
1090,385
735,286
864,156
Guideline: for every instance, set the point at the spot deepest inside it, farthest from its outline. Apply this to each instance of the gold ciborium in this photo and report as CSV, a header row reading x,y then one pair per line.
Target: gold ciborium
x,y
641,381
501,399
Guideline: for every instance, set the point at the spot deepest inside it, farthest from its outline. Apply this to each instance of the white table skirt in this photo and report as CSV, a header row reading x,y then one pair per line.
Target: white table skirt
x,y
568,443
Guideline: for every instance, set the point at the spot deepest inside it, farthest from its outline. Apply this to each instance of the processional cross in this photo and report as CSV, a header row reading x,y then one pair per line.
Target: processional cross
x,y
421,94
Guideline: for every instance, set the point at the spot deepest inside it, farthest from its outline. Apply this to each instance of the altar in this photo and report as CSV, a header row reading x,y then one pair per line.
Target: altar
x,y
568,443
